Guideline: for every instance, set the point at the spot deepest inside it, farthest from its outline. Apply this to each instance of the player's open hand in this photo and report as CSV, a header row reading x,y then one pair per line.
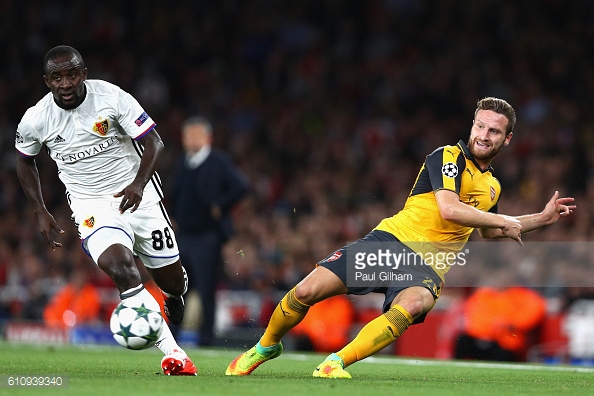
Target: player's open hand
x,y
557,208
47,227
131,197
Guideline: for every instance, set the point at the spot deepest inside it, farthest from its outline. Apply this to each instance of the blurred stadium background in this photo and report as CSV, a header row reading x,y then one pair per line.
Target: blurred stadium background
x,y
329,107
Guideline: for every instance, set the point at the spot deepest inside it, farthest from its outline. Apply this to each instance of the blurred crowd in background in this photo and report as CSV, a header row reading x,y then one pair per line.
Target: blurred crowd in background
x,y
329,107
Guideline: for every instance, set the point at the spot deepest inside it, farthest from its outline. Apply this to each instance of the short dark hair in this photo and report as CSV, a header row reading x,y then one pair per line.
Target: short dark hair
x,y
198,120
58,51
499,106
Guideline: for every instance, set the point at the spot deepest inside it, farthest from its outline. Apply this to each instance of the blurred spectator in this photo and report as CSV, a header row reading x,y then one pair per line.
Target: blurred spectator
x,y
77,303
578,306
498,323
332,317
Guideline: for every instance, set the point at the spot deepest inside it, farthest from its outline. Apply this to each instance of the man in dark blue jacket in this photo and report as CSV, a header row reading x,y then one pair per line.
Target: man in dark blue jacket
x,y
206,186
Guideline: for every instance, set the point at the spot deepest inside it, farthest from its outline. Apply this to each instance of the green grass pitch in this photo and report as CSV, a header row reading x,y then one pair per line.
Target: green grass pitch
x,y
101,370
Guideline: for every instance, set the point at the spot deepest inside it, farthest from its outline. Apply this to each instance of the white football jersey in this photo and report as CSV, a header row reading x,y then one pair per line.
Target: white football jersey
x,y
94,145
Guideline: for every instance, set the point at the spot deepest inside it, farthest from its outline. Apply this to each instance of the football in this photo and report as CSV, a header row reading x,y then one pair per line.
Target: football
x,y
136,324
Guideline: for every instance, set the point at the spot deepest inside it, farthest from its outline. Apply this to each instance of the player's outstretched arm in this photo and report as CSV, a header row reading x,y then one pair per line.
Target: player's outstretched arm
x,y
29,179
552,212
451,209
500,226
132,194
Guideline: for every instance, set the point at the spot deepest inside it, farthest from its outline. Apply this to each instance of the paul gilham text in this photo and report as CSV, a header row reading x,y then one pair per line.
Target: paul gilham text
x,y
382,276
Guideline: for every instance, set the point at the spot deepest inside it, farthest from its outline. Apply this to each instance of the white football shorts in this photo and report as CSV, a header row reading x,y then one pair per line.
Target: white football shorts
x,y
147,232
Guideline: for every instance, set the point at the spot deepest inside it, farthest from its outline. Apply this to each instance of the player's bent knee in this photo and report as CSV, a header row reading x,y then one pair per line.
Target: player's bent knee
x,y
414,307
125,278
415,301
123,272
319,285
306,294
310,293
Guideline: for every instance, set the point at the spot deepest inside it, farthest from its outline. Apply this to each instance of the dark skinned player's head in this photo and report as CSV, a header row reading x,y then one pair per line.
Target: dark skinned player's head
x,y
64,74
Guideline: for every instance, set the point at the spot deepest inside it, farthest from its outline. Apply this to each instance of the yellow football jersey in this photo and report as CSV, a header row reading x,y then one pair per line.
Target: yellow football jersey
x,y
419,224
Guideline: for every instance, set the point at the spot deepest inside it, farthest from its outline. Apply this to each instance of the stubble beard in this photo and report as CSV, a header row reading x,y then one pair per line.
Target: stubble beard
x,y
485,156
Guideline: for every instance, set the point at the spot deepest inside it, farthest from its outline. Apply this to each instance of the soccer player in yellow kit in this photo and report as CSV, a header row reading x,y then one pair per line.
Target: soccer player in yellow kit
x,y
455,192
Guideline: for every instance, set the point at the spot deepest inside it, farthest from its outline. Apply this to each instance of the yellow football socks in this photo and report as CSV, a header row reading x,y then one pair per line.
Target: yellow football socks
x,y
287,314
376,335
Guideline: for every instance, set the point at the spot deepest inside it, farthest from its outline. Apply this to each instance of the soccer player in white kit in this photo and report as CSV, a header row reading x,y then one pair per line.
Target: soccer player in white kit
x,y
107,150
